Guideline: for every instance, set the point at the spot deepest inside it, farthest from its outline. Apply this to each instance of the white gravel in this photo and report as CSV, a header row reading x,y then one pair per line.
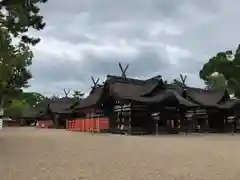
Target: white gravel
x,y
30,154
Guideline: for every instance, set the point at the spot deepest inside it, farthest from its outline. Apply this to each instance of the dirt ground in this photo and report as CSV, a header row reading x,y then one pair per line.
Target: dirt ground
x,y
30,154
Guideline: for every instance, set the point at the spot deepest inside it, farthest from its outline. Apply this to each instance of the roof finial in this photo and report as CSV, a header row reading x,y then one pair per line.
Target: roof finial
x,y
95,82
183,79
66,92
123,70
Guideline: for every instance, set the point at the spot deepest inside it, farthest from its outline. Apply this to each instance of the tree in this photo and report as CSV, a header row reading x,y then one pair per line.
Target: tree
x,y
18,16
216,82
14,60
227,64
16,108
78,95
54,97
32,98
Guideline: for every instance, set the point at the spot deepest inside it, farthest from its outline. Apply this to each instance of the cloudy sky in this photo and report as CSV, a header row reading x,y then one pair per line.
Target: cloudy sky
x,y
167,37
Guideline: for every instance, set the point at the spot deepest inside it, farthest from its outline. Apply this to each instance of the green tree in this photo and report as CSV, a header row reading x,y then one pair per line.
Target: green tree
x,y
16,108
54,97
226,63
216,82
32,98
14,60
18,16
78,95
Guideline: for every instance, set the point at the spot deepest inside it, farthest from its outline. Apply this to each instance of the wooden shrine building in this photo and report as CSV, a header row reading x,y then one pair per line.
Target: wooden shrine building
x,y
151,105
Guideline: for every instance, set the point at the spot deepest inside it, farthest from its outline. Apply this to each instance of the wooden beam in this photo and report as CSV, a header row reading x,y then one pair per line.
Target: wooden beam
x,y
123,70
95,83
66,92
183,79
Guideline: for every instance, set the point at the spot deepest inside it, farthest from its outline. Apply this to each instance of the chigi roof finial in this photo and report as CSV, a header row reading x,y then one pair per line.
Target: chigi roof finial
x,y
123,70
183,80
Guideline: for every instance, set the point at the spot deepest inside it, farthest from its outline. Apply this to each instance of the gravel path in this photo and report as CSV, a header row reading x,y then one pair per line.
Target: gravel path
x,y
31,154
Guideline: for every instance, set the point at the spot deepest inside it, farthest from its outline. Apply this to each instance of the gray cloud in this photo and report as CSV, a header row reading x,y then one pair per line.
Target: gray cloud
x,y
85,38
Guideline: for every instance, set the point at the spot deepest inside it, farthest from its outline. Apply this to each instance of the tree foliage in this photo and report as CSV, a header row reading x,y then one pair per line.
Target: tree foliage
x,y
78,95
18,16
25,101
227,64
216,82
32,98
16,108
14,60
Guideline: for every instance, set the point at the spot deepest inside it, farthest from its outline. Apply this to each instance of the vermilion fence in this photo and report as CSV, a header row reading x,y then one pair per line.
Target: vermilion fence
x,y
88,125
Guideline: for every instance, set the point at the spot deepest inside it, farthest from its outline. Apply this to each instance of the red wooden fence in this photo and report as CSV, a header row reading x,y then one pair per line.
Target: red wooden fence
x,y
88,125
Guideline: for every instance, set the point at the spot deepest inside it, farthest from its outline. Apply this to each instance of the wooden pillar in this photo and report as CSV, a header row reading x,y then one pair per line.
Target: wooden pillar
x,y
235,125
194,120
183,121
206,124
98,124
185,125
130,120
122,121
91,121
156,125
172,123
56,116
21,122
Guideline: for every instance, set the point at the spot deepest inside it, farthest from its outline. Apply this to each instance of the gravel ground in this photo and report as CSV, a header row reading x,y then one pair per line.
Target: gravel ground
x,y
30,154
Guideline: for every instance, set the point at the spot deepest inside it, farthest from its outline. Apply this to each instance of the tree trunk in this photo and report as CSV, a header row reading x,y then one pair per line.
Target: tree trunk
x,y
1,111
